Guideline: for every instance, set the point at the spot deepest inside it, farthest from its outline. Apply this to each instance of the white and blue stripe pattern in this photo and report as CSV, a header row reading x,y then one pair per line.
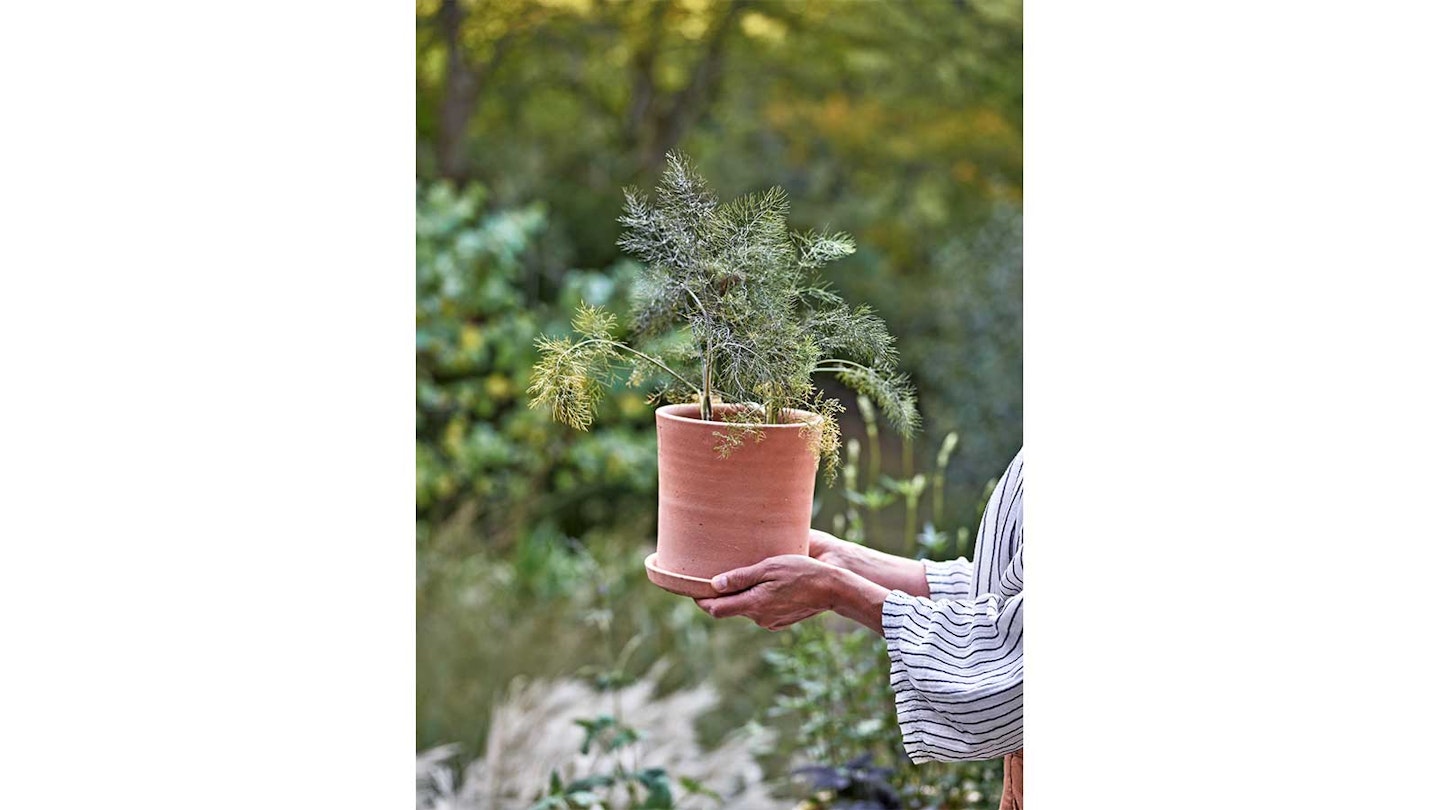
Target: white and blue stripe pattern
x,y
957,661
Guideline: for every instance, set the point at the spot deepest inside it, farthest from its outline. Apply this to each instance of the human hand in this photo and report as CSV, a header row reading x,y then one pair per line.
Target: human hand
x,y
776,592
888,570
828,548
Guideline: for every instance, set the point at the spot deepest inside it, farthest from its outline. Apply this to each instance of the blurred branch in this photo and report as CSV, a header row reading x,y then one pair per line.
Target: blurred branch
x,y
700,91
465,79
656,125
642,72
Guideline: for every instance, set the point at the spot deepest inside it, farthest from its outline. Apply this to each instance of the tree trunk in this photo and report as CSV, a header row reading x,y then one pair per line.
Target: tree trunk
x,y
462,88
656,127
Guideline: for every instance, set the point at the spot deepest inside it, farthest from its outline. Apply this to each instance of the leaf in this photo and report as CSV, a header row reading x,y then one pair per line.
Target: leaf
x,y
692,785
592,782
867,727
584,798
593,730
593,322
931,540
657,786
623,736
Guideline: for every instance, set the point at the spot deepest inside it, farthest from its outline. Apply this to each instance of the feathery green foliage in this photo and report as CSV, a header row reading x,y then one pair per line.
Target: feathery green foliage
x,y
728,307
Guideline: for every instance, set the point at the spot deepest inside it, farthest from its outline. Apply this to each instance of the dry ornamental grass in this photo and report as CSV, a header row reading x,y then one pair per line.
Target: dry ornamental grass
x,y
533,732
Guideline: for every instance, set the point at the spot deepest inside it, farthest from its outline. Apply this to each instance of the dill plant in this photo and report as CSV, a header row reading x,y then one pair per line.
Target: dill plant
x,y
729,307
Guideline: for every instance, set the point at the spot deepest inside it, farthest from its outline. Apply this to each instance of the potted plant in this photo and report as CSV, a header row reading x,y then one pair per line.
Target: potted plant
x,y
729,317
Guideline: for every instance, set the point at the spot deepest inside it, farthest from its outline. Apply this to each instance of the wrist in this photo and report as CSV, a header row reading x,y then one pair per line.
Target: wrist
x,y
833,586
856,598
855,559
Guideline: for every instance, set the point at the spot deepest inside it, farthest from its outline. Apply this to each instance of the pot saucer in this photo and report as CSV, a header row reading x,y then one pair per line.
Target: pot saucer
x,y
693,587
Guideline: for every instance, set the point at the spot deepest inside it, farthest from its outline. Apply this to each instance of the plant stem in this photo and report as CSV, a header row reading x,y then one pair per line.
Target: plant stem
x,y
912,498
938,500
854,528
707,361
872,434
705,407
852,366
643,356
942,461
912,504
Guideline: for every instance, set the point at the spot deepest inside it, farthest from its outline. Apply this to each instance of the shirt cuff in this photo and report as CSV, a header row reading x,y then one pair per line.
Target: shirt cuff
x,y
899,604
948,579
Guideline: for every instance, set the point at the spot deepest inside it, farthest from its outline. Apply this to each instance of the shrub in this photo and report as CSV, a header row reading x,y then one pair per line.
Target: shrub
x,y
728,303
836,680
481,460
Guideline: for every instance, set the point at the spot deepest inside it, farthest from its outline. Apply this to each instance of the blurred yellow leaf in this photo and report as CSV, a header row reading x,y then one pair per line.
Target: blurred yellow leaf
x,y
454,435
499,388
758,26
471,338
632,405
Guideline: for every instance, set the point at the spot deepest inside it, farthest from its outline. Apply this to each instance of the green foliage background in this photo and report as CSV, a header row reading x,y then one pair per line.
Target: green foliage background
x,y
897,122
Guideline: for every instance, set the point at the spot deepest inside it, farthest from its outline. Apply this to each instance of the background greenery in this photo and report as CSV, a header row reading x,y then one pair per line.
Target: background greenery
x,y
899,123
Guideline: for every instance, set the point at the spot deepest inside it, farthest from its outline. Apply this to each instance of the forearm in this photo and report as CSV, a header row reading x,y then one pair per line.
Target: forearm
x,y
858,598
886,570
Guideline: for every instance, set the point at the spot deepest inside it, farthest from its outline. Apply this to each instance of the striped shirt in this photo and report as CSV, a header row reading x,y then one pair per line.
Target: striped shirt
x,y
957,663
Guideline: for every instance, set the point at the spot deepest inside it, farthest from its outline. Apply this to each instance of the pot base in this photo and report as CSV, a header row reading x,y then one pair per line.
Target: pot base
x,y
693,587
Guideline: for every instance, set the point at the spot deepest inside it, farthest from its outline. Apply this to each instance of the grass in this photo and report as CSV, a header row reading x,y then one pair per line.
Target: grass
x,y
552,609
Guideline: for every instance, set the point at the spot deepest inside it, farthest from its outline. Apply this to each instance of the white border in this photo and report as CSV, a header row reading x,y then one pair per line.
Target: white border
x,y
1230,404
206,314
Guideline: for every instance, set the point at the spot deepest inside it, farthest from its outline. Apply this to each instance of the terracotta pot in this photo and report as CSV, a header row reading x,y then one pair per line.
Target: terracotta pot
x,y
717,514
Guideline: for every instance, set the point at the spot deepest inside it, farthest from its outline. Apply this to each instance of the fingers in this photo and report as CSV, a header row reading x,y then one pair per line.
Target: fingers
x,y
741,578
724,606
825,546
746,605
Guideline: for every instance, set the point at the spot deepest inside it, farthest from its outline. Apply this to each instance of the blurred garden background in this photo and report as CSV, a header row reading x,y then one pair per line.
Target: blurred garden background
x,y
549,671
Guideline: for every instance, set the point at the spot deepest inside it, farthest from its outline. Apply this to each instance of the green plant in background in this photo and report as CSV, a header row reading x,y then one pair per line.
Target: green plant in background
x,y
836,694
727,304
915,147
971,306
609,735
480,456
903,121
884,490
504,497
624,758
526,530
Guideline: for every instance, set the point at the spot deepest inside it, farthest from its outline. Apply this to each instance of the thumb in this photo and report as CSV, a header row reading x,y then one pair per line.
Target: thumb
x,y
740,578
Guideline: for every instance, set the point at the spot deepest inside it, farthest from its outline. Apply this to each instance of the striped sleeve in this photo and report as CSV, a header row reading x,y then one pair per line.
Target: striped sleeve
x,y
957,669
950,579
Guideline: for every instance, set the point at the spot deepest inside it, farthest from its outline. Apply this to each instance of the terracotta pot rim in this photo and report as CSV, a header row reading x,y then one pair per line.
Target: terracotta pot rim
x,y
683,584
671,412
